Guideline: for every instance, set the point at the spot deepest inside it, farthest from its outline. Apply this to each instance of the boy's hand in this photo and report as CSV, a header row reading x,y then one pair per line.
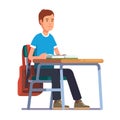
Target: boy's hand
x,y
43,56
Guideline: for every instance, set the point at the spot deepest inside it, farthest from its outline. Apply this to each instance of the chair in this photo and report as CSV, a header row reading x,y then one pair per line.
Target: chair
x,y
41,80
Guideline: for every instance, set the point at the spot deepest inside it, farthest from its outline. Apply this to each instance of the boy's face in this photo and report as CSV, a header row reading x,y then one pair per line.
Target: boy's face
x,y
47,23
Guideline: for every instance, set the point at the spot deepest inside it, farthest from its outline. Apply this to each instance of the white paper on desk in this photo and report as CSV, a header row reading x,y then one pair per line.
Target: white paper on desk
x,y
61,56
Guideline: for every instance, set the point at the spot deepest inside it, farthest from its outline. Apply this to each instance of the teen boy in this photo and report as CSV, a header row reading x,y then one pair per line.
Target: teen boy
x,y
43,44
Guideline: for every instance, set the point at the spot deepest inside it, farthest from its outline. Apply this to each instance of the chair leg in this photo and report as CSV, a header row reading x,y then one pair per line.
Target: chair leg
x,y
30,95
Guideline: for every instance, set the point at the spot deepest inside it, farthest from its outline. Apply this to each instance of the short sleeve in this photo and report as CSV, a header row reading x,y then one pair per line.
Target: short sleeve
x,y
34,42
53,42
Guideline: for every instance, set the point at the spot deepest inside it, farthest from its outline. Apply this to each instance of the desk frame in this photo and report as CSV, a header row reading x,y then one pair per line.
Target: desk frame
x,y
62,84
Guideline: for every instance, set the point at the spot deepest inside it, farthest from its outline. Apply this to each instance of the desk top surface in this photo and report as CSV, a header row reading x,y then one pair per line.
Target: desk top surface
x,y
69,61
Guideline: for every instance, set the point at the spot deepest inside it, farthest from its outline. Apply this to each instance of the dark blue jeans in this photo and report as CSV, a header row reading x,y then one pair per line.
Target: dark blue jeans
x,y
55,75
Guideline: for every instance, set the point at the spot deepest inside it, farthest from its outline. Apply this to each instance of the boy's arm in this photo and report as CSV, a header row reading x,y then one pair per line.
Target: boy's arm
x,y
31,57
56,50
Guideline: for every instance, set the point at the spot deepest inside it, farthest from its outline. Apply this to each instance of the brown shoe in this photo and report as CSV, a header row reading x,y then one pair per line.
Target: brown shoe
x,y
58,105
79,105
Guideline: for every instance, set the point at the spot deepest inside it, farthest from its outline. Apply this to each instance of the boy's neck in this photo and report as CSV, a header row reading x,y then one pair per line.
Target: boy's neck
x,y
46,33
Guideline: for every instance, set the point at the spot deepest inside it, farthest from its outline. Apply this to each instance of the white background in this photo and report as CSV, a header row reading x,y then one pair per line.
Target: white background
x,y
86,28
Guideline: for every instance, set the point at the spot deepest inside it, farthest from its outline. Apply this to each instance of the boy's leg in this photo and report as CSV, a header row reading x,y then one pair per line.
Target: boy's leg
x,y
74,90
55,75
72,84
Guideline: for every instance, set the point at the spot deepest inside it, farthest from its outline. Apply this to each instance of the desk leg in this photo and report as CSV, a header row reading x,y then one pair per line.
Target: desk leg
x,y
62,86
30,94
51,101
100,87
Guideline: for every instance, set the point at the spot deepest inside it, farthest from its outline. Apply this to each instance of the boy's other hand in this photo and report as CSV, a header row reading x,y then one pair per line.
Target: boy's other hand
x,y
43,56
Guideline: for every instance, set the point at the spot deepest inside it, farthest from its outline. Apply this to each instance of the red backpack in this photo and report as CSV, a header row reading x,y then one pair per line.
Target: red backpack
x,y
26,71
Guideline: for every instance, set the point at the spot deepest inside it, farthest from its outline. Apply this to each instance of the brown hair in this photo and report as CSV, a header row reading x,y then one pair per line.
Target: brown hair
x,y
43,13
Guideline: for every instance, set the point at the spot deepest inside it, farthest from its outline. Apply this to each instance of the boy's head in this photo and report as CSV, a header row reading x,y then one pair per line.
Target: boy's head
x,y
46,19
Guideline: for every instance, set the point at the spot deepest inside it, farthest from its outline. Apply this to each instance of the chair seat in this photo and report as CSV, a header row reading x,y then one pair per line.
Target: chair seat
x,y
46,78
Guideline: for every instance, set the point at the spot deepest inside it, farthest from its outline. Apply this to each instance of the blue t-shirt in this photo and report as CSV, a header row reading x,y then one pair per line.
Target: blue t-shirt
x,y
43,44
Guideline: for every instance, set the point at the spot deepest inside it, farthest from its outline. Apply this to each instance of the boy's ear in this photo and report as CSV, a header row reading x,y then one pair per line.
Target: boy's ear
x,y
40,22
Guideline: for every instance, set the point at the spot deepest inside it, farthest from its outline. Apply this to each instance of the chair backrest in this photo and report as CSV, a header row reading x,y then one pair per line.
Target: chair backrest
x,y
25,61
25,53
